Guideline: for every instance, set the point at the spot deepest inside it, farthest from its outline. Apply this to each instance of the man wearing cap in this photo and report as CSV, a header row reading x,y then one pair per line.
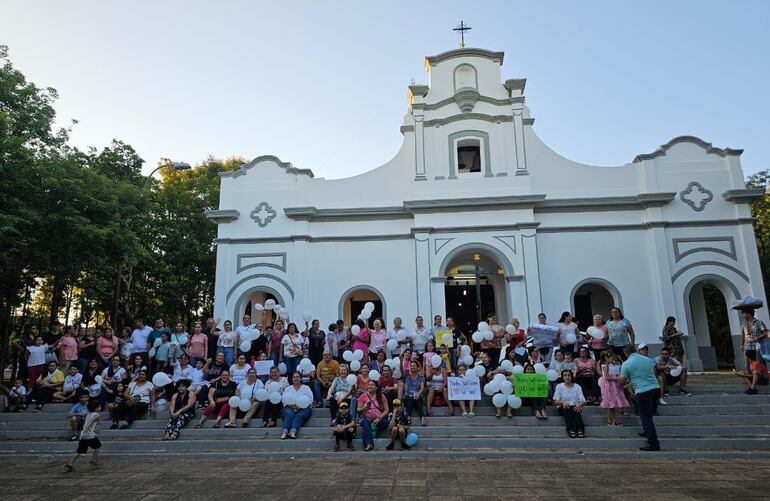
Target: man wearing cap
x,y
344,427
643,350
670,371
400,421
639,371
326,370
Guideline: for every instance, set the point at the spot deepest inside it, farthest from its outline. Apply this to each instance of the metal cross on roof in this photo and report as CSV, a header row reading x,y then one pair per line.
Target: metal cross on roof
x,y
462,29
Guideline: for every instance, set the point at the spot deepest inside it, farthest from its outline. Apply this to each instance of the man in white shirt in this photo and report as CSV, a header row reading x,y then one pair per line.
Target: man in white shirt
x,y
664,364
139,340
243,329
420,336
393,334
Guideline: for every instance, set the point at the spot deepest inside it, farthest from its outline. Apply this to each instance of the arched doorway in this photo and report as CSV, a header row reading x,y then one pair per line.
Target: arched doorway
x,y
591,297
474,288
710,322
246,304
354,299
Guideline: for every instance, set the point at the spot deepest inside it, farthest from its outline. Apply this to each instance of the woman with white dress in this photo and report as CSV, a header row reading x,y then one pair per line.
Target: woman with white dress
x,y
569,399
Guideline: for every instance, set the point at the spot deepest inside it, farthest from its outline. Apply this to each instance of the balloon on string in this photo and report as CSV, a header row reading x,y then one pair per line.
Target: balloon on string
x,y
284,315
540,368
234,401
595,332
397,373
499,378
282,368
307,316
447,339
411,439
491,388
518,369
355,330
261,395
435,360
392,344
507,366
401,335
98,379
365,315
489,335
552,375
467,360
275,398
358,355
477,337
347,356
269,304
289,399
369,306
257,307
355,366
483,326
94,390
570,338
510,329
351,379
303,401
273,387
479,370
245,346
374,375
514,402
506,387
127,349
244,405
161,379
305,364
499,400
465,349
676,371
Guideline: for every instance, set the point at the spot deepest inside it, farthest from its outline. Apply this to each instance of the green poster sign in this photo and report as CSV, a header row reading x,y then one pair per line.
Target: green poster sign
x,y
530,385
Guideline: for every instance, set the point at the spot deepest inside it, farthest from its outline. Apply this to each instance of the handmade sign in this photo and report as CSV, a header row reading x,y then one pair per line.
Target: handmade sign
x,y
544,336
464,388
263,367
530,385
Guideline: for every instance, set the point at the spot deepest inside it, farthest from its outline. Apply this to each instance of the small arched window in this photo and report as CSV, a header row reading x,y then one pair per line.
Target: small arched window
x,y
465,77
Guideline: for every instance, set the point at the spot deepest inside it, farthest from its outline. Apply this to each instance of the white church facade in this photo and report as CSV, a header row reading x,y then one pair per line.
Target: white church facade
x,y
476,214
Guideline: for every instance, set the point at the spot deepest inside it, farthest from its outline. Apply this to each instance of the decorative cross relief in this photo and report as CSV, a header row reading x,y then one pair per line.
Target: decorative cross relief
x,y
263,214
696,196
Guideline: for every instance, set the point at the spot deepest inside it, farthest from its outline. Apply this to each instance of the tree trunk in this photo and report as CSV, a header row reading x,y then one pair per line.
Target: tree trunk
x,y
116,299
55,298
68,305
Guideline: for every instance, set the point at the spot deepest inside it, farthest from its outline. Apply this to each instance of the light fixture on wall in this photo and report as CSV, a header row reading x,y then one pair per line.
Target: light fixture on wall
x,y
477,257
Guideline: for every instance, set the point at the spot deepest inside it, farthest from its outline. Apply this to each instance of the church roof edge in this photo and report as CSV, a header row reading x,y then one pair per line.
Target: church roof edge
x,y
662,149
495,56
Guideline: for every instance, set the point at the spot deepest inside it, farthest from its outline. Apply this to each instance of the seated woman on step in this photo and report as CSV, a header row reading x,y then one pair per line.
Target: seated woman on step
x,y
569,399
219,396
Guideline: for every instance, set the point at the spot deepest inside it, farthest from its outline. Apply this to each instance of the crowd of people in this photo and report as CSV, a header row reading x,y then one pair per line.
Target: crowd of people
x,y
371,378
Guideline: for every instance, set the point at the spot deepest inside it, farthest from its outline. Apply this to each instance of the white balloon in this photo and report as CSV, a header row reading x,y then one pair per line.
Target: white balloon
x,y
307,316
282,368
392,344
289,399
161,379
507,365
245,346
244,405
499,400
358,355
374,375
156,343
348,356
467,360
435,360
273,387
351,379
570,338
234,401
514,402
483,327
540,368
303,401
355,365
489,335
480,370
401,335
269,304
369,306
355,330
305,363
510,329
396,373
365,315
465,349
275,398
278,307
518,369
152,352
98,379
489,389
506,387
595,332
447,339
261,395
499,378
94,390
477,337
676,371
494,386
284,315
257,307
552,375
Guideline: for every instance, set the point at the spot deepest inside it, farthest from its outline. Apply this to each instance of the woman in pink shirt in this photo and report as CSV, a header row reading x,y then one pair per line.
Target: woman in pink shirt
x,y
198,348
106,345
377,338
600,344
274,350
361,341
68,346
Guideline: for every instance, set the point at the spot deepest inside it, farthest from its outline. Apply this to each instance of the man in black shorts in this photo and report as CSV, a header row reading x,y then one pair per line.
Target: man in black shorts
x,y
88,437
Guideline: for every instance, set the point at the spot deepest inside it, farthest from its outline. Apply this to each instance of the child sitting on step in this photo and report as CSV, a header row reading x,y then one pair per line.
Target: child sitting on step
x,y
344,427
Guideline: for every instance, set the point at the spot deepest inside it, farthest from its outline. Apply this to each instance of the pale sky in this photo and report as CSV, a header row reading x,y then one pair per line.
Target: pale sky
x,y
323,84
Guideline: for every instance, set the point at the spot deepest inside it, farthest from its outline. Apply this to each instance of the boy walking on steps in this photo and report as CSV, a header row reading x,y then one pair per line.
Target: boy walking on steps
x,y
88,437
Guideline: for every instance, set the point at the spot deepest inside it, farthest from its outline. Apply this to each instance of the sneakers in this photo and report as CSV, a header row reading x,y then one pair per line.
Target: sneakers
x,y
465,414
368,448
471,414
73,437
293,434
649,448
68,468
666,393
751,391
684,391
663,402
283,435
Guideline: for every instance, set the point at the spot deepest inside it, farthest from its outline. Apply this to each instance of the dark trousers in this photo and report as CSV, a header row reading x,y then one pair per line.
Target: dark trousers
x,y
573,420
370,430
129,412
413,404
42,395
645,406
346,435
271,412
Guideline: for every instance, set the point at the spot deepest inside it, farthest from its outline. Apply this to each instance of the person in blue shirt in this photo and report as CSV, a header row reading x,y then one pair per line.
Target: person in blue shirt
x,y
78,414
639,372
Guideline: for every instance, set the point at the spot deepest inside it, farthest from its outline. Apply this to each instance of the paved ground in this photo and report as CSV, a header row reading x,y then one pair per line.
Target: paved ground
x,y
370,479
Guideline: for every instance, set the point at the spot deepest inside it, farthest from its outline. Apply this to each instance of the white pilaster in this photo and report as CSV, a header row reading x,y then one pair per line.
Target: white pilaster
x,y
531,273
423,283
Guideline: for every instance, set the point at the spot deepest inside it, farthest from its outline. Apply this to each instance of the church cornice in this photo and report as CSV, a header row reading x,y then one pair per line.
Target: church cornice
x,y
743,196
451,100
710,149
469,116
222,216
290,169
493,56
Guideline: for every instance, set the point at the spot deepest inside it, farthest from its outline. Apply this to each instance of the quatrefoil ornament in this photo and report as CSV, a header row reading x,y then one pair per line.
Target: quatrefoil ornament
x,y
263,214
696,196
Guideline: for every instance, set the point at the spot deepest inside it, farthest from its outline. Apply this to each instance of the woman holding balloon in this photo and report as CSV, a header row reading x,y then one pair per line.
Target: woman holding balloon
x,y
273,406
437,383
293,348
361,339
373,406
411,390
248,397
219,397
341,390
297,400
377,337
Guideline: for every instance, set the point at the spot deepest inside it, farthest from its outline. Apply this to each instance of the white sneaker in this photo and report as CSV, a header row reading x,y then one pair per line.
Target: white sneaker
x,y
465,414
663,402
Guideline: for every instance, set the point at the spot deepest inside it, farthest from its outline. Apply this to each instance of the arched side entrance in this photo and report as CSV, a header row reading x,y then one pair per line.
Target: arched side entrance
x,y
245,305
474,287
354,299
593,296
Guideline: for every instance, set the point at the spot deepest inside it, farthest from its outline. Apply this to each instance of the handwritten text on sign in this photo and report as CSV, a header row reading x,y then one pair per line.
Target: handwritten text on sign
x,y
467,388
530,385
